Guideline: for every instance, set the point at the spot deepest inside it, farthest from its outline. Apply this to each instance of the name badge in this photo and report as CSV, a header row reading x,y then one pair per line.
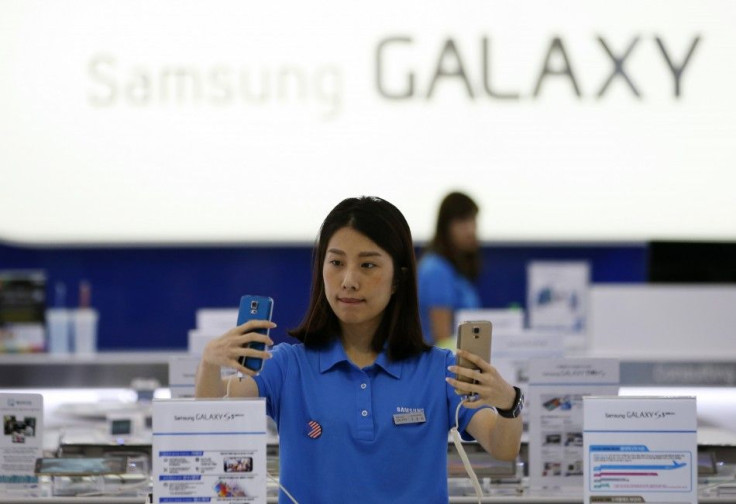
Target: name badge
x,y
409,418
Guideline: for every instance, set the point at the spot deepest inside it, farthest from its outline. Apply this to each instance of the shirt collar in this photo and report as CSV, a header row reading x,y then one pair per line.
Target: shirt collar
x,y
334,353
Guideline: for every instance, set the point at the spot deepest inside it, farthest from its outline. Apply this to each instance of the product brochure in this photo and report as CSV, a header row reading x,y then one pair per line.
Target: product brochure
x,y
22,440
641,449
209,450
555,413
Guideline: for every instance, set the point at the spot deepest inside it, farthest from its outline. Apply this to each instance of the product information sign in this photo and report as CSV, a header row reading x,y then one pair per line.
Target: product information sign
x,y
555,412
209,450
22,440
640,449
557,294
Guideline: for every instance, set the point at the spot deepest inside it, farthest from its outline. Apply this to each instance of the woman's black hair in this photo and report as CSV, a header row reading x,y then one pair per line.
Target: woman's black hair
x,y
400,331
455,206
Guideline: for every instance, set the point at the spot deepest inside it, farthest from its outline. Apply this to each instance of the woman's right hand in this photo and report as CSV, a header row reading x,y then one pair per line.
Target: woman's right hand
x,y
227,349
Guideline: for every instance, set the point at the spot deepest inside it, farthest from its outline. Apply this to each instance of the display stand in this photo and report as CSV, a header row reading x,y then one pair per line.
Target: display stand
x,y
209,449
640,449
555,405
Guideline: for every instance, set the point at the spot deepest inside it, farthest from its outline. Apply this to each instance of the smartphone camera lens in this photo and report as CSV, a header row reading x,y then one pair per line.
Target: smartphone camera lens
x,y
476,332
254,305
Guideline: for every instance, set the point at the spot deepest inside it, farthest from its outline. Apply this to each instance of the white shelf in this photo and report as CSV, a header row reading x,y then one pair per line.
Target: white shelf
x,y
104,369
116,369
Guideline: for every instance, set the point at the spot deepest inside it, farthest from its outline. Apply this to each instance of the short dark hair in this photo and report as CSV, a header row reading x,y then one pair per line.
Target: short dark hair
x,y
400,331
455,205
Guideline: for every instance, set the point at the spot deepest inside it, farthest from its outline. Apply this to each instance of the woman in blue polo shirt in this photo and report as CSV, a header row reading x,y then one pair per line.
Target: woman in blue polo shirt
x,y
363,405
449,268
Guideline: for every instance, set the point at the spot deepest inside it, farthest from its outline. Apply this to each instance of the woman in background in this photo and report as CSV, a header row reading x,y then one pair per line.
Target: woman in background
x,y
449,268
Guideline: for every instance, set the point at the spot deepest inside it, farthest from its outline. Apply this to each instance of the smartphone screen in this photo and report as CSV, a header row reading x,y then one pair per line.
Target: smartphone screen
x,y
474,337
81,466
254,308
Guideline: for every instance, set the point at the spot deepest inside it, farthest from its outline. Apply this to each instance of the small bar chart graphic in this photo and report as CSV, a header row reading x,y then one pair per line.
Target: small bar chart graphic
x,y
634,468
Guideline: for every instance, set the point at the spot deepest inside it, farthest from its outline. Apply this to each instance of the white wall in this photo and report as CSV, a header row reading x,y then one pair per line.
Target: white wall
x,y
229,121
660,322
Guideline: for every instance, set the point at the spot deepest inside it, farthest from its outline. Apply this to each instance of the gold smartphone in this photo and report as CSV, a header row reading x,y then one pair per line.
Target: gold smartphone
x,y
474,337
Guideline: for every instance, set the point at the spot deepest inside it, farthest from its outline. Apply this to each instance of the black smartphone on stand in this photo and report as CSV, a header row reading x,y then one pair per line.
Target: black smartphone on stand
x,y
255,308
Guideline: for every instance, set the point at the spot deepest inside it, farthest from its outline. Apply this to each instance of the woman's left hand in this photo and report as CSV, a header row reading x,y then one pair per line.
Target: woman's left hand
x,y
489,388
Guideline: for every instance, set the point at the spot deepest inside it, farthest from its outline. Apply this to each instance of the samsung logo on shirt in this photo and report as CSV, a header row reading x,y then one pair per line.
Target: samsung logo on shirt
x,y
401,409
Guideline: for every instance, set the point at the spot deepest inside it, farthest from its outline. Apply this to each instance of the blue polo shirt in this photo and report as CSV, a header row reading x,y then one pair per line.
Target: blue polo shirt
x,y
340,439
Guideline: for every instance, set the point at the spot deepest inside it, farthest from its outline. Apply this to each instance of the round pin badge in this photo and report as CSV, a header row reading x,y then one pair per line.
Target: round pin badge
x,y
314,429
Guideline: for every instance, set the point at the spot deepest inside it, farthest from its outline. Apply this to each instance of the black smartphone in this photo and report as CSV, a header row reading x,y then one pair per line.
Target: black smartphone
x,y
81,466
474,337
255,308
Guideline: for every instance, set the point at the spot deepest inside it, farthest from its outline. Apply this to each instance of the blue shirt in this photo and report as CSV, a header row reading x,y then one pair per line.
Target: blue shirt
x,y
442,286
354,450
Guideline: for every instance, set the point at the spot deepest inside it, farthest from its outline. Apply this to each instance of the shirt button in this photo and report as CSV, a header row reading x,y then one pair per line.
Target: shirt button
x,y
363,386
364,413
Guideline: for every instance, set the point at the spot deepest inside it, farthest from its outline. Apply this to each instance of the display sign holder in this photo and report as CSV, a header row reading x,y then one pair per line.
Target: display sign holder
x,y
206,450
557,294
555,412
21,442
182,375
640,449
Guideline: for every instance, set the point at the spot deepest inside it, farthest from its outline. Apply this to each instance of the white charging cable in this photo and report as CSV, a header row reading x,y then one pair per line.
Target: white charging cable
x,y
229,381
458,441
272,478
275,480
